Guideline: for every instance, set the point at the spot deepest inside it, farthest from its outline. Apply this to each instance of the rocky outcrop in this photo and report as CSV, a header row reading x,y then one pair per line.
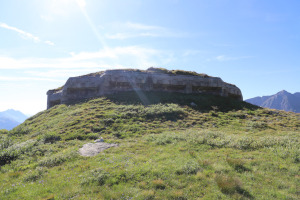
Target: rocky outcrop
x,y
93,149
153,79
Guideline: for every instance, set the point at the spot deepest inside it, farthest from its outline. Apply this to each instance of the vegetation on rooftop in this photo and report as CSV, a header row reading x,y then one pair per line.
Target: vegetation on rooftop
x,y
218,148
158,70
176,72
58,89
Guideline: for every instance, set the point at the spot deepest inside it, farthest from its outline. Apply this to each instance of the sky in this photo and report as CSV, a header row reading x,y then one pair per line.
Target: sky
x,y
253,44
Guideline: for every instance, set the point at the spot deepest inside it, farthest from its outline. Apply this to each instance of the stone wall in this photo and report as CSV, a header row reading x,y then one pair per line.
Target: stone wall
x,y
114,81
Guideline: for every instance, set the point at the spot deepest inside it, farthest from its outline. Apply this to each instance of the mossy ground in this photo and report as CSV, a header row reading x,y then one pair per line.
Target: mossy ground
x,y
219,149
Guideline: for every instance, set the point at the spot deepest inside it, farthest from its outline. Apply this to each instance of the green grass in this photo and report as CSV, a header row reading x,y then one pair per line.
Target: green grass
x,y
168,149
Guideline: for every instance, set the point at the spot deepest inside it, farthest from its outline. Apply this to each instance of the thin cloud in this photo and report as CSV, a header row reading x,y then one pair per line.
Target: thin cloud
x,y
61,73
49,43
24,34
193,52
130,56
144,27
17,78
222,58
116,52
133,30
122,36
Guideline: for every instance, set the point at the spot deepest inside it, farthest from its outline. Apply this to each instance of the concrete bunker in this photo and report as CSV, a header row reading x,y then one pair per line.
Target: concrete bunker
x,y
112,81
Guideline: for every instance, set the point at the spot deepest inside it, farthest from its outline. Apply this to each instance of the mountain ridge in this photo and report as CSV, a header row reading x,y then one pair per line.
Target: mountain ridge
x,y
11,118
282,100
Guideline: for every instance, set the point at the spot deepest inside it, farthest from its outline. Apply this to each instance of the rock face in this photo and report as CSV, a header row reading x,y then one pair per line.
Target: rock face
x,y
152,79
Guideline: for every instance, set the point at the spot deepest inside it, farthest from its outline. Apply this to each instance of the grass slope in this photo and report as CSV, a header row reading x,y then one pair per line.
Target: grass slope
x,y
219,149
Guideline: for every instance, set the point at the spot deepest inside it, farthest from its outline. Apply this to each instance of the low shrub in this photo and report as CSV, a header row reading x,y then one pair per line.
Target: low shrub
x,y
159,184
50,138
177,195
15,174
191,167
3,131
228,184
237,164
13,151
34,175
57,159
98,176
20,130
5,143
245,143
166,138
257,125
147,194
163,111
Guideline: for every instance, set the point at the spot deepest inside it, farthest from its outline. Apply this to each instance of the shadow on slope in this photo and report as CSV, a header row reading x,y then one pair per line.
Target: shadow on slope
x,y
200,102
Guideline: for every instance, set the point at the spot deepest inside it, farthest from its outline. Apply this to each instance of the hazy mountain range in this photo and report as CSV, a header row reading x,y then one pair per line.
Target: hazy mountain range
x,y
11,118
283,100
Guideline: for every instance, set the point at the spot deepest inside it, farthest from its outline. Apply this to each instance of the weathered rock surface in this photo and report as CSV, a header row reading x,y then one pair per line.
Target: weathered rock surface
x,y
92,149
114,81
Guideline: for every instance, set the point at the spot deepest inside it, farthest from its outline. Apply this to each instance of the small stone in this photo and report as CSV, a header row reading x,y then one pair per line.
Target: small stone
x,y
193,104
99,140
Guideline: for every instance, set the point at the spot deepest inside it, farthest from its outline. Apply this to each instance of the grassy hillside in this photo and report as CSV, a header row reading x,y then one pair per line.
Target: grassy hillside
x,y
218,148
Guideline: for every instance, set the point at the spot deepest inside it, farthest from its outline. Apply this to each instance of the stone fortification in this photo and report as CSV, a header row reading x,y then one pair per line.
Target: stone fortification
x,y
114,81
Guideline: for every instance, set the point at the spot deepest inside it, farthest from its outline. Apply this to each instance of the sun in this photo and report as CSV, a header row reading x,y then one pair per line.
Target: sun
x,y
81,3
63,7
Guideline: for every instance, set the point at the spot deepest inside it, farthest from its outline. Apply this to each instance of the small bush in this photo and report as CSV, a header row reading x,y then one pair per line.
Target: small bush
x,y
168,138
13,151
20,130
57,159
142,185
191,167
177,195
159,184
148,194
245,143
237,164
32,176
98,176
228,184
50,138
92,136
3,131
216,139
257,125
50,197
108,121
163,111
14,174
5,143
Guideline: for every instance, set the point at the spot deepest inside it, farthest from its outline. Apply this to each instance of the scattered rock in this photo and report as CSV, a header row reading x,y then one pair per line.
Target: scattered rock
x,y
92,149
193,104
99,140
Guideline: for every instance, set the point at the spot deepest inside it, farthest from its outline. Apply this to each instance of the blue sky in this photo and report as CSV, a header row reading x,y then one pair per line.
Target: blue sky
x,y
253,44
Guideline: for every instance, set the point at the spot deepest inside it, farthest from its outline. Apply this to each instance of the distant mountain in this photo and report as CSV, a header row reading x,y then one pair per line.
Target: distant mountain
x,y
11,118
283,100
